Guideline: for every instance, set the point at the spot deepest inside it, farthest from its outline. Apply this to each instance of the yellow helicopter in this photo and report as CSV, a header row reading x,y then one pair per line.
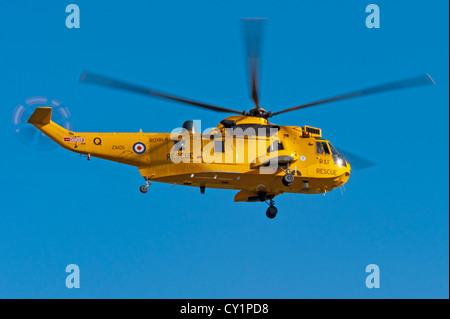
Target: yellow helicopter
x,y
244,152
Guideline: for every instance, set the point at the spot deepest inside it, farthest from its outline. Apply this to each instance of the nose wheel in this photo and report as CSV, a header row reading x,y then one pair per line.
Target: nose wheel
x,y
144,188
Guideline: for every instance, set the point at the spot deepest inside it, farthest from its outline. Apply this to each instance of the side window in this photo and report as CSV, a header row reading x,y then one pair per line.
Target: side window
x,y
322,148
319,148
275,146
326,148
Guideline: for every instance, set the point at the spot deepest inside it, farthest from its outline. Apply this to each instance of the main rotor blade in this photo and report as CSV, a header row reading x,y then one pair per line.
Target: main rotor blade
x,y
253,29
356,161
108,82
403,84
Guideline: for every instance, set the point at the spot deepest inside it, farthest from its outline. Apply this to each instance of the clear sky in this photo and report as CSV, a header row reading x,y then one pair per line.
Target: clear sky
x,y
59,209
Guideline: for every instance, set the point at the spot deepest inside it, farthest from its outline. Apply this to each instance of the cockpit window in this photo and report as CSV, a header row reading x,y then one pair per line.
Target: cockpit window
x,y
319,148
275,146
333,150
337,158
322,148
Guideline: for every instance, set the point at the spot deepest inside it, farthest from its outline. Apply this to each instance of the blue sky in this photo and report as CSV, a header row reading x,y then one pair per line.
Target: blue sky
x,y
173,242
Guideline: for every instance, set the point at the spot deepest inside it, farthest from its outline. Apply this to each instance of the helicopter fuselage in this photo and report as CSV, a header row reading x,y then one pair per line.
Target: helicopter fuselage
x,y
253,164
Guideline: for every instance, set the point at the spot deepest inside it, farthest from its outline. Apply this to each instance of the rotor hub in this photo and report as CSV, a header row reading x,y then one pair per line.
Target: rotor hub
x,y
258,112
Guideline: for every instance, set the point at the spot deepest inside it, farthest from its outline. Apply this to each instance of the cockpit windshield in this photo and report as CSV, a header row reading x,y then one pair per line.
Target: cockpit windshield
x,y
333,150
338,159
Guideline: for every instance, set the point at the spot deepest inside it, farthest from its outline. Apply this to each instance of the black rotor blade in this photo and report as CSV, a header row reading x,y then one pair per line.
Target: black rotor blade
x,y
108,82
253,29
356,161
403,84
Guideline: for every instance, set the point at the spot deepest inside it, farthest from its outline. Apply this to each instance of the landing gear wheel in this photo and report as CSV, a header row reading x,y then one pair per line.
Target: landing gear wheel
x,y
143,189
271,212
288,179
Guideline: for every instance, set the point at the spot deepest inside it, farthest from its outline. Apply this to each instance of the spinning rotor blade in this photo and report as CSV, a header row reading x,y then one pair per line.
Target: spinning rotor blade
x,y
108,82
403,84
253,29
356,161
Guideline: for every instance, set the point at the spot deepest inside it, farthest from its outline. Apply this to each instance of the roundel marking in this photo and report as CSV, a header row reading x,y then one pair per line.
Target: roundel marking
x,y
139,148
303,158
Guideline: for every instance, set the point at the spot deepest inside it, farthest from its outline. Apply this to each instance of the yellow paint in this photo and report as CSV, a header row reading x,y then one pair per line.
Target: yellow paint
x,y
317,171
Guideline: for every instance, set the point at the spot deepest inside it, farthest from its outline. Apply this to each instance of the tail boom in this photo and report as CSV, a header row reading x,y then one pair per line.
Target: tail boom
x,y
117,147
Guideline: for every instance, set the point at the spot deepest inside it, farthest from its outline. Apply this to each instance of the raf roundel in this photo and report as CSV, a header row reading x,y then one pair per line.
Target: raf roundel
x,y
139,148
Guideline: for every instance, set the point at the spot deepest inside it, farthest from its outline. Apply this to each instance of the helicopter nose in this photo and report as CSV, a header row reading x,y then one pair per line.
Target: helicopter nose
x,y
345,173
344,177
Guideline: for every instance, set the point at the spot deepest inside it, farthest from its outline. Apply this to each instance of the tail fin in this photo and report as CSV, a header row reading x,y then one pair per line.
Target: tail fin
x,y
41,116
41,119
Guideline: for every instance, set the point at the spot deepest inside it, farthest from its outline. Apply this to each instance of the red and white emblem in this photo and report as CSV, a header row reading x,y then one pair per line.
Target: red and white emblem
x,y
74,139
139,148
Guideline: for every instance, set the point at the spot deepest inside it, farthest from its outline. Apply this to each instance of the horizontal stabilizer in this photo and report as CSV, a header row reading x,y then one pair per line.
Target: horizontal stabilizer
x,y
41,116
